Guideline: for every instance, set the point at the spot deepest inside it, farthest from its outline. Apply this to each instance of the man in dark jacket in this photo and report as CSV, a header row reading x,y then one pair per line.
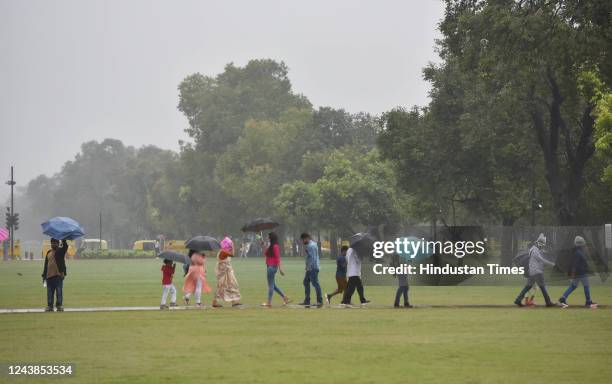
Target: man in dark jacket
x,y
54,273
578,272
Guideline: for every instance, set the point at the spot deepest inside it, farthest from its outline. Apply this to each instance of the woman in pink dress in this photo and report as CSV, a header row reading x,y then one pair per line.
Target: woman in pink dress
x,y
195,280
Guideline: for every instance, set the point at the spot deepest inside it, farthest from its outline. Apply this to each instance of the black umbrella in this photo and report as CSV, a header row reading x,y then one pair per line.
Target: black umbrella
x,y
260,224
202,243
363,243
174,256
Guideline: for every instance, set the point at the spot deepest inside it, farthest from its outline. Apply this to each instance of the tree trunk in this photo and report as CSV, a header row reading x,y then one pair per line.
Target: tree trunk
x,y
508,241
565,185
333,245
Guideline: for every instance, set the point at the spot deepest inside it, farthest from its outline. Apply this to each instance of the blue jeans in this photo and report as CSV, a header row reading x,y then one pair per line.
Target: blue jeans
x,y
312,277
55,285
271,284
574,284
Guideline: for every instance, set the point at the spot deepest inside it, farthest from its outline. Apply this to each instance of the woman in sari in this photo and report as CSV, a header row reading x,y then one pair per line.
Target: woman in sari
x,y
227,285
195,280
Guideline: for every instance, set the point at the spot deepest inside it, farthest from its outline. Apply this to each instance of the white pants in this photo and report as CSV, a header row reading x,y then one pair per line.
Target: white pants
x,y
198,292
168,288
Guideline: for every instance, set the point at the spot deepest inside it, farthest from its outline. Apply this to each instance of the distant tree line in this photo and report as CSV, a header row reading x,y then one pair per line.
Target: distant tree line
x,y
519,115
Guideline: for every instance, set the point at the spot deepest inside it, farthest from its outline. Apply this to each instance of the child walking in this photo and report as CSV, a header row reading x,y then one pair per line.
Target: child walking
x,y
167,273
579,274
340,275
227,285
402,286
195,280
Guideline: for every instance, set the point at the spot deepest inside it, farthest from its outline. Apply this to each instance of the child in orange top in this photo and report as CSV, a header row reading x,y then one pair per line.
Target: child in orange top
x,y
195,280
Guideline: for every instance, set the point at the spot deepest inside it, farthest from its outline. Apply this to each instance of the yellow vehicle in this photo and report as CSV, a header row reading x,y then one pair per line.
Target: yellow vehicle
x,y
46,246
93,244
325,244
176,246
144,245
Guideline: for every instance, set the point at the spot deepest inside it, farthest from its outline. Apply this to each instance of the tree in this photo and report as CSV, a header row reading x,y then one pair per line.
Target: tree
x,y
218,107
537,51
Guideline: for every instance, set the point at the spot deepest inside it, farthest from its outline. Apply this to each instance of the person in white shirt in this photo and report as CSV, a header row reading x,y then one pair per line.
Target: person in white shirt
x,y
353,272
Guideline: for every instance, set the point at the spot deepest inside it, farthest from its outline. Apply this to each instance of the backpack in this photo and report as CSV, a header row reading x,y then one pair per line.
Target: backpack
x,y
522,259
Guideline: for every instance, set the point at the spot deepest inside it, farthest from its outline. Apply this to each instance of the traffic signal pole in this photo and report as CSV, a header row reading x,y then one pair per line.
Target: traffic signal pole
x,y
11,229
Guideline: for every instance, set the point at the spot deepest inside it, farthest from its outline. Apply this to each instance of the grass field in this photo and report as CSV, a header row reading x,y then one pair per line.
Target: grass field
x,y
279,345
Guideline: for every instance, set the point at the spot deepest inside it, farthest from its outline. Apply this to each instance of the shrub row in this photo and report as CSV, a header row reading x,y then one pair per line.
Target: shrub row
x,y
117,254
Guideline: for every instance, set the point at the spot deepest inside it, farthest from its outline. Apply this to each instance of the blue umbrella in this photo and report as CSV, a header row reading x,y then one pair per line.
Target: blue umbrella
x,y
62,228
413,242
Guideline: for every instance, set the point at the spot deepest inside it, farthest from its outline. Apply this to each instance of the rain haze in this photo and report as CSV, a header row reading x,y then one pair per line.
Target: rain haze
x,y
73,71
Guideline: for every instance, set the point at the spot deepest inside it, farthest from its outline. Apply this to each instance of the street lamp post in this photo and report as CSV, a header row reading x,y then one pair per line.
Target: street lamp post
x,y
11,228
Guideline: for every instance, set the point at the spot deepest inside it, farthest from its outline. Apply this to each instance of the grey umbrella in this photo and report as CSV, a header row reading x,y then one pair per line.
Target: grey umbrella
x,y
202,243
174,256
363,243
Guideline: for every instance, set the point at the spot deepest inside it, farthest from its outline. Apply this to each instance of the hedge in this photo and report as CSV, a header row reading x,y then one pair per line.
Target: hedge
x,y
117,254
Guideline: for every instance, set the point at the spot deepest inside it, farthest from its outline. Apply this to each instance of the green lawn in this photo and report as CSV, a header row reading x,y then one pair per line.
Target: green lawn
x,y
374,345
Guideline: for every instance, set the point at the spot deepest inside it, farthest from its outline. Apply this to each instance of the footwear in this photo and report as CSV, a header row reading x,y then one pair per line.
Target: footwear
x,y
186,299
287,300
407,305
49,309
199,305
236,305
59,308
518,303
327,299
364,303
563,303
548,305
305,304
591,305
162,307
266,305
349,305
173,304
319,305
216,305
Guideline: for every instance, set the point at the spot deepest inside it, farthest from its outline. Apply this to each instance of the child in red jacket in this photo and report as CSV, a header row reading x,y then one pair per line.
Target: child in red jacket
x,y
167,273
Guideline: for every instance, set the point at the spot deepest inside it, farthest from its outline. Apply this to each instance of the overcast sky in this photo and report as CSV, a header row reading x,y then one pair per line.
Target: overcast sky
x,y
72,71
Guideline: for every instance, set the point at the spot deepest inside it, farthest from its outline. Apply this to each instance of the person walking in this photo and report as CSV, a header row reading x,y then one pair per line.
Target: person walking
x,y
54,273
273,265
578,273
195,279
312,270
168,287
536,272
353,272
340,275
227,285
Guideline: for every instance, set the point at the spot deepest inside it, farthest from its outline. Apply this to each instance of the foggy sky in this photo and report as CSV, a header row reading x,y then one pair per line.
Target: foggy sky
x,y
72,71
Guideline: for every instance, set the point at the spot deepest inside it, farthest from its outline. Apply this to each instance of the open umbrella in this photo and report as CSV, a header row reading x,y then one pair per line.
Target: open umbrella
x,y
363,243
202,243
62,228
174,256
259,224
4,234
413,242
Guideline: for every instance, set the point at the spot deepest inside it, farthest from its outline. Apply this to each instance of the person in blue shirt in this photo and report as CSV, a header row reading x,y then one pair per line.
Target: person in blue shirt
x,y
340,274
579,274
312,270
